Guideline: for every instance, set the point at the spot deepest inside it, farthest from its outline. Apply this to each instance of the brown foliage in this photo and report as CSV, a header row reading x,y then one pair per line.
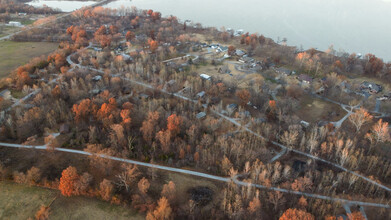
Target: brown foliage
x,y
129,36
162,212
68,180
84,110
373,65
164,138
143,185
244,96
153,45
149,126
231,50
42,213
169,191
106,189
254,205
356,216
359,118
174,123
379,132
294,214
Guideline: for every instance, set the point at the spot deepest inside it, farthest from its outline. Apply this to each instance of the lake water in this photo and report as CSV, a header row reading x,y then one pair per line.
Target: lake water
x,y
361,26
65,6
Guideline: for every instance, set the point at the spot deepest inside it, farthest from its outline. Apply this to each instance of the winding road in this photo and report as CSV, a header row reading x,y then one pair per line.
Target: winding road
x,y
203,175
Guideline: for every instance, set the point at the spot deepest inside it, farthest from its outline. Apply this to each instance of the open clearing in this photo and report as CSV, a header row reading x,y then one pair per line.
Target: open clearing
x,y
21,202
14,54
314,110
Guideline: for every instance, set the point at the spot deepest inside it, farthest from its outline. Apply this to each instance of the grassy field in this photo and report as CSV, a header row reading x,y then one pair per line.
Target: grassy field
x,y
14,54
314,110
21,202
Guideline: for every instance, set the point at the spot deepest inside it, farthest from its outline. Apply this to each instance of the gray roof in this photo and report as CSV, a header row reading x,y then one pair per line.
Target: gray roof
x,y
305,77
371,86
232,106
283,70
201,94
200,115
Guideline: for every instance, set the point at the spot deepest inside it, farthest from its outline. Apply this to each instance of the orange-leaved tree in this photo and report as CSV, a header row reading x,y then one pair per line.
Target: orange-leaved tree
x,y
174,123
294,214
68,180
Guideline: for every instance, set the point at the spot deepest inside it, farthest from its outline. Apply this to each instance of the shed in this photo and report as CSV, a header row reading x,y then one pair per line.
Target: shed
x,y
97,78
304,124
201,94
239,53
232,106
201,115
206,77
14,24
305,78
64,128
143,96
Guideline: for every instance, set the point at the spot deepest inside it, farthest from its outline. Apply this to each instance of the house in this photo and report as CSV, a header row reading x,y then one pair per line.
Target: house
x,y
201,94
244,114
284,71
22,14
214,46
320,90
126,57
305,78
259,120
384,97
15,24
304,124
231,108
206,77
238,32
143,96
371,87
246,59
97,78
95,91
221,49
201,115
240,53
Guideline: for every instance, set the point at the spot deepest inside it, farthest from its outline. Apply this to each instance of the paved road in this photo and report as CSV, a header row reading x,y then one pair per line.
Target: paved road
x,y
203,175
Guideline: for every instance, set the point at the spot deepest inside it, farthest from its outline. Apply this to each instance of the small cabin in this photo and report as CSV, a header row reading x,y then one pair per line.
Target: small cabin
x,y
206,77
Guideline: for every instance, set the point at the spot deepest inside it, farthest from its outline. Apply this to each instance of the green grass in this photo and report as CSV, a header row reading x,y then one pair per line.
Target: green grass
x,y
22,201
14,54
17,94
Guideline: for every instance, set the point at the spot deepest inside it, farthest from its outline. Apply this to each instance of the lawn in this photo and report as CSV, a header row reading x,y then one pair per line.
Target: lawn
x,y
14,54
21,202
315,110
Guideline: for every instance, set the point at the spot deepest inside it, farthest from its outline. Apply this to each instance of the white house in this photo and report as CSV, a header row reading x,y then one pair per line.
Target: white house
x,y
206,77
14,24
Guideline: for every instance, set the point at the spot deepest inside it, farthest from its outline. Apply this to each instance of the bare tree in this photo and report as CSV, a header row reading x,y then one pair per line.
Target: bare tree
x,y
359,118
127,177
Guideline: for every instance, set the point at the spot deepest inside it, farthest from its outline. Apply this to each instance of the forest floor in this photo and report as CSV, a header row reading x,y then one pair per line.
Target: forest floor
x,y
14,54
21,202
